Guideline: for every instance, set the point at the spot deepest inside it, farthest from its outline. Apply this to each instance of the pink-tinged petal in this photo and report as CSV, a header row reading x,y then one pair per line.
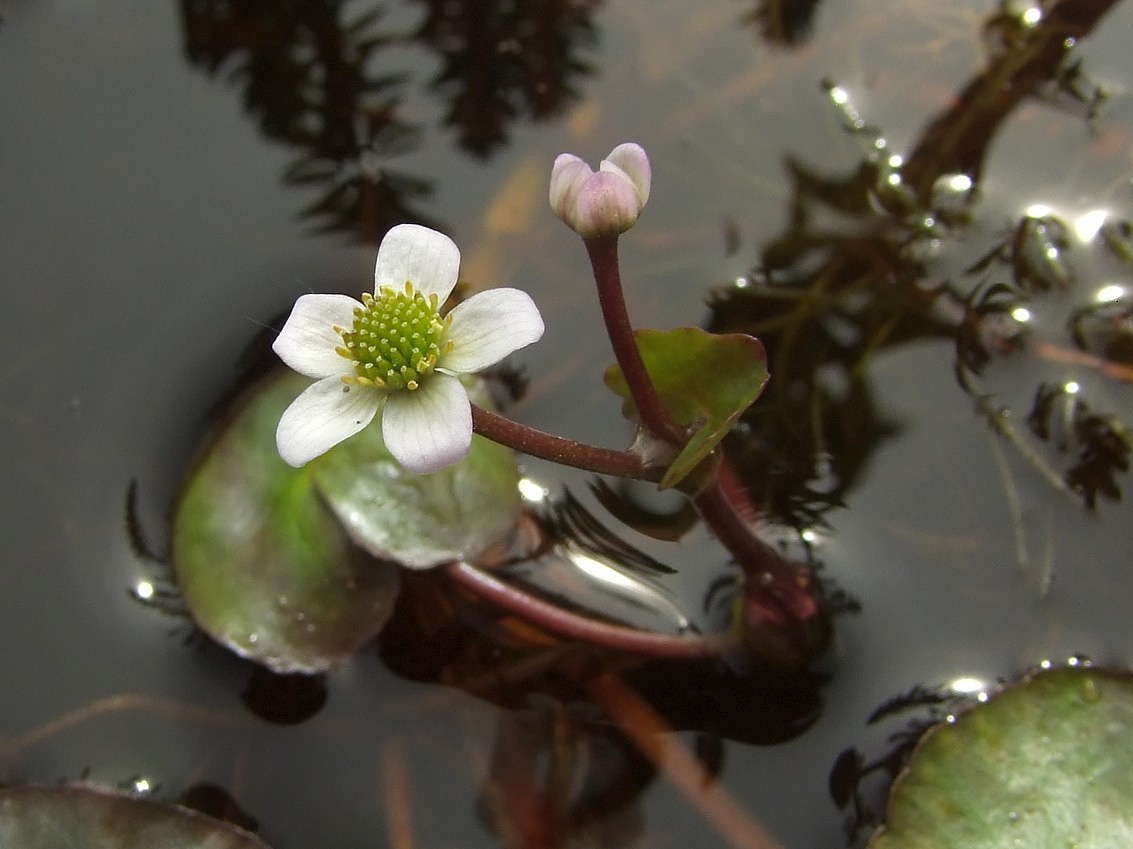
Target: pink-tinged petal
x,y
429,428
606,206
308,340
568,175
489,326
324,414
427,259
631,160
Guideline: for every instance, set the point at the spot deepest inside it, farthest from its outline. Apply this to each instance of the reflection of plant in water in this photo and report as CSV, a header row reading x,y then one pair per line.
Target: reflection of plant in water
x,y
1033,262
801,450
310,78
306,75
824,301
1099,444
503,60
576,746
557,775
1035,60
785,22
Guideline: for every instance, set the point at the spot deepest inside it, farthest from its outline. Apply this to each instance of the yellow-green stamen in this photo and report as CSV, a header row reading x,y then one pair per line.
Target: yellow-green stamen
x,y
395,340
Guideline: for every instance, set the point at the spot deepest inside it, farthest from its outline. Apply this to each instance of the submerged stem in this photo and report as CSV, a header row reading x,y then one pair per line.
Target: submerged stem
x,y
583,628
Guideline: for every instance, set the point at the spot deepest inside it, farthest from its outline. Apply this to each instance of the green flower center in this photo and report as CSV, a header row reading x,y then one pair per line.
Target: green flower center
x,y
395,340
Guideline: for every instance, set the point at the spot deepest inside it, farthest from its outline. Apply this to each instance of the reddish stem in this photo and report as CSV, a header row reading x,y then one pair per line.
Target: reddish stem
x,y
603,253
585,629
557,449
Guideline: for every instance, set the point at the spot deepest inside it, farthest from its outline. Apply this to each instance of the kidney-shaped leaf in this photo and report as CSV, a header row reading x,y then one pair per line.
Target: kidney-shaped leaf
x,y
705,381
421,520
78,817
264,567
1045,764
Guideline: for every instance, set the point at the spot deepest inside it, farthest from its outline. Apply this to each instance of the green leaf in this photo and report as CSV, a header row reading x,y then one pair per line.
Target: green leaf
x,y
264,567
705,381
1045,764
421,520
79,817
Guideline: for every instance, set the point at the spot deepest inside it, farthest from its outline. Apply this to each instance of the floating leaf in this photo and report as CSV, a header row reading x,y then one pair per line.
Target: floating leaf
x,y
80,817
1046,763
421,520
705,381
263,565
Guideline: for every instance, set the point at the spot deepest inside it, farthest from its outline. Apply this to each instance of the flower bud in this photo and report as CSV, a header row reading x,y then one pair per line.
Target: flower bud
x,y
605,202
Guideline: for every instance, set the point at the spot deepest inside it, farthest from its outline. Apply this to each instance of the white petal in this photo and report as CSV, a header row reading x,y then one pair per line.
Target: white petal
x,y
308,339
489,326
632,161
427,259
568,175
324,414
428,428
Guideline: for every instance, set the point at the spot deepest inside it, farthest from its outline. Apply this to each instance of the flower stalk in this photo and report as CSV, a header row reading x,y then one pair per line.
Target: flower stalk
x,y
780,598
603,253
557,449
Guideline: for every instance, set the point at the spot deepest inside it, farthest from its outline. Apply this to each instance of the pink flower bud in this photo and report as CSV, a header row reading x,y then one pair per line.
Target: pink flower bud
x,y
605,202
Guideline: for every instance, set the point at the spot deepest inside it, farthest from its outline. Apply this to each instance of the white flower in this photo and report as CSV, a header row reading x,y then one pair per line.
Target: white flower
x,y
603,203
393,347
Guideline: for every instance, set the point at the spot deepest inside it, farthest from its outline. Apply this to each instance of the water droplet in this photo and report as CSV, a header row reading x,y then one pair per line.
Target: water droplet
x,y
253,638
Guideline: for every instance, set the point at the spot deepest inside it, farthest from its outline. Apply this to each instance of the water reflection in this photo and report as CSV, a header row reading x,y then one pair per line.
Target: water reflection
x,y
328,83
504,61
560,775
784,22
308,75
856,271
841,283
1028,58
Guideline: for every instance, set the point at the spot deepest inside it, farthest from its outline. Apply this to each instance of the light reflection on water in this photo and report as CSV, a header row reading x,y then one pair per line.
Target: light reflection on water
x,y
146,236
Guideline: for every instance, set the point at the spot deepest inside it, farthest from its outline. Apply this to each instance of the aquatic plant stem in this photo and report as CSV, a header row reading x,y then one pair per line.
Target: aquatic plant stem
x,y
603,252
558,449
754,556
712,503
583,628
781,595
780,612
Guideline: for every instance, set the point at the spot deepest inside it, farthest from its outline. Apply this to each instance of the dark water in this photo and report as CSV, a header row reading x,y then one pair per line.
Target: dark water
x,y
151,221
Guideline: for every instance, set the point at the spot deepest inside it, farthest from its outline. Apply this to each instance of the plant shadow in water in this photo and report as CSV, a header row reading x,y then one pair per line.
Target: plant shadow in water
x,y
329,87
